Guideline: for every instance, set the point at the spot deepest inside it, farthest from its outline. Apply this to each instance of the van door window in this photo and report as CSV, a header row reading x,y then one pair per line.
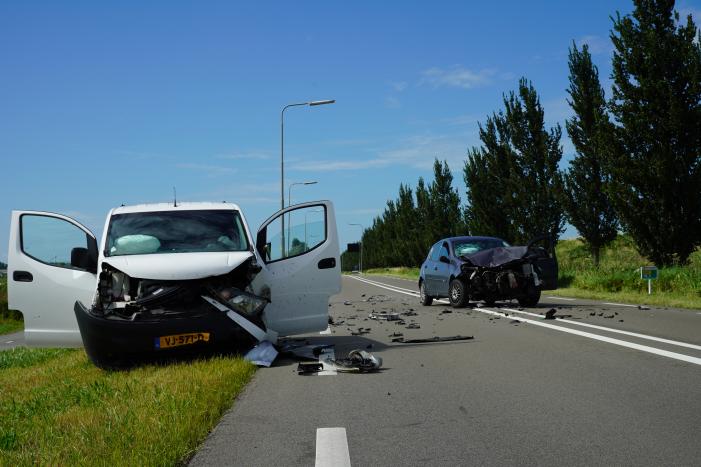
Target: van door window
x,y
51,240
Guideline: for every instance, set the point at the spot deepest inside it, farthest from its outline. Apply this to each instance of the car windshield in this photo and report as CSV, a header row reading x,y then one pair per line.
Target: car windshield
x,y
142,233
472,246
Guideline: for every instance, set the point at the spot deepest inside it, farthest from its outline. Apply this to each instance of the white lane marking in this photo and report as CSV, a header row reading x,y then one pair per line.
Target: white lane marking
x,y
9,342
610,340
332,448
563,298
619,304
324,357
617,331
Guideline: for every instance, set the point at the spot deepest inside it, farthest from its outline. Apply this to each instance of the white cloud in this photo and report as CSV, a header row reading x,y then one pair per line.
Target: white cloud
x,y
416,151
460,120
457,76
392,102
399,86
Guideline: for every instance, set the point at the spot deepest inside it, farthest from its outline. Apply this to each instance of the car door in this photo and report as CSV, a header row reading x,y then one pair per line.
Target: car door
x,y
430,270
52,262
301,267
442,271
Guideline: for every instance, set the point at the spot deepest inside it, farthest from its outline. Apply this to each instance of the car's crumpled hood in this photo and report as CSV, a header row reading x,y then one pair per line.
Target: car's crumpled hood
x,y
178,266
499,256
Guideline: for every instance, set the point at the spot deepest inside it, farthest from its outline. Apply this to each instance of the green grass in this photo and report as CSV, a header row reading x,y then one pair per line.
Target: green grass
x,y
617,278
10,321
56,408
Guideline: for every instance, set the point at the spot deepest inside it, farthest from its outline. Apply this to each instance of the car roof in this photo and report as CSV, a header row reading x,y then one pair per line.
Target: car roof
x,y
471,238
186,206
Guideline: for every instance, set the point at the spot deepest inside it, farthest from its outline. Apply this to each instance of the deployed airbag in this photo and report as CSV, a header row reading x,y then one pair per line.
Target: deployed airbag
x,y
135,245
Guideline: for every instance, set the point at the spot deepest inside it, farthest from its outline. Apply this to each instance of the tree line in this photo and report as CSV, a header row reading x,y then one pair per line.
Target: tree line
x,y
636,169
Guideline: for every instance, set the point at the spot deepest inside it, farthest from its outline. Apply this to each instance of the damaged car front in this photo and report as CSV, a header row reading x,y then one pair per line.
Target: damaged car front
x,y
168,284
487,269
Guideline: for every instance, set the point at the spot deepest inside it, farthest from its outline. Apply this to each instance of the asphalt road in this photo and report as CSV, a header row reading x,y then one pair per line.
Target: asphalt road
x,y
583,390
9,341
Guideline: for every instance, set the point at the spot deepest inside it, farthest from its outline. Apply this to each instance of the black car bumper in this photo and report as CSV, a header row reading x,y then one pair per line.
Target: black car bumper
x,y
113,343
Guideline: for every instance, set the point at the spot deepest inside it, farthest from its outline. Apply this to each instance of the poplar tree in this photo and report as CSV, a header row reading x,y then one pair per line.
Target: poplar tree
x,y
513,181
586,203
656,177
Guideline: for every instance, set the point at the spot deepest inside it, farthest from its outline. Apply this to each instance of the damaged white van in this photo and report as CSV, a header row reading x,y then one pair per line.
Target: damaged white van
x,y
168,279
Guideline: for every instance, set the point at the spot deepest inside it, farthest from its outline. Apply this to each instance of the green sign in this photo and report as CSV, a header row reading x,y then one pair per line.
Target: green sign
x,y
648,272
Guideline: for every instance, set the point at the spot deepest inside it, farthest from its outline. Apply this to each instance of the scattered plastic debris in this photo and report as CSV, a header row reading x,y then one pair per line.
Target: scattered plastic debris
x,y
262,354
550,314
413,326
361,331
401,340
383,315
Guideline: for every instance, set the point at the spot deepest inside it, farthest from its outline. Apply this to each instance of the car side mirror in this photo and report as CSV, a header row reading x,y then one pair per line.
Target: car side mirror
x,y
85,258
444,259
80,258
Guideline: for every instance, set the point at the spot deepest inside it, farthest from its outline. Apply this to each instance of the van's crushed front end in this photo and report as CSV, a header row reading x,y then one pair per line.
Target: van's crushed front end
x,y
136,317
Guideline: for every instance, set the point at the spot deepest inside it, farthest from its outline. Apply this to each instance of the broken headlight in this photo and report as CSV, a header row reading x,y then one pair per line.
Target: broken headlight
x,y
240,301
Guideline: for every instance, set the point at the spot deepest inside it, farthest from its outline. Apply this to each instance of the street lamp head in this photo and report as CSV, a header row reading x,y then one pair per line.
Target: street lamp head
x,y
311,182
327,101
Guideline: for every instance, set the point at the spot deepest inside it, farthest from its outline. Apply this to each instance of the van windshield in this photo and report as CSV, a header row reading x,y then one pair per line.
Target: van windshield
x,y
192,231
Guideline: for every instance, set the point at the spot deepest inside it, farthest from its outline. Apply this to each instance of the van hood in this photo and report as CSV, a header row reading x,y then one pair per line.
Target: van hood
x,y
178,266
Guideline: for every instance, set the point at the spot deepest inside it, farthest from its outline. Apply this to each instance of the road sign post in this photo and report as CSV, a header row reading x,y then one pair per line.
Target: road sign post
x,y
648,273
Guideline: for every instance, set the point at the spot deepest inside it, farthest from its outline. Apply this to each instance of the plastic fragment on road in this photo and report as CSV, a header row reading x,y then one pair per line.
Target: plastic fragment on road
x,y
427,340
550,314
357,361
384,315
263,354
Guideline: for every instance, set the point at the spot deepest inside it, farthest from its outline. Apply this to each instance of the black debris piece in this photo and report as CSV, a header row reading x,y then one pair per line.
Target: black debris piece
x,y
358,361
608,316
401,322
601,314
446,311
413,326
347,303
396,334
514,321
550,314
643,307
363,295
432,339
361,331
592,314
620,320
615,313
411,312
384,315
307,368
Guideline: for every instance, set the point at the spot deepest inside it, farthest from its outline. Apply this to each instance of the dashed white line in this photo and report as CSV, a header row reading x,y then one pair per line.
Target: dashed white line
x,y
564,298
9,342
610,340
332,448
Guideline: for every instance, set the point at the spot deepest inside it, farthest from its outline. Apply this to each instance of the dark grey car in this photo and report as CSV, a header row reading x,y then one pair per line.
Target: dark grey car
x,y
486,268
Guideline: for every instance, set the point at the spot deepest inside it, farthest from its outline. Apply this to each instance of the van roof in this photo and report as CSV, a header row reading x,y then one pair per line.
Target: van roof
x,y
185,206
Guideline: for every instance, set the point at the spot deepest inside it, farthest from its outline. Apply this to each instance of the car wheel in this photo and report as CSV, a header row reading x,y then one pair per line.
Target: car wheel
x,y
425,300
458,294
531,298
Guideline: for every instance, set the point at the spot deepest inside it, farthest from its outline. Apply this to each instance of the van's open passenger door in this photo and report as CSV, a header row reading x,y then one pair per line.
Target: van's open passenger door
x,y
52,263
301,267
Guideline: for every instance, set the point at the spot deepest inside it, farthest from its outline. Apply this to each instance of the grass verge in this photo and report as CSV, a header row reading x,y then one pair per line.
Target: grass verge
x,y
10,321
616,279
58,409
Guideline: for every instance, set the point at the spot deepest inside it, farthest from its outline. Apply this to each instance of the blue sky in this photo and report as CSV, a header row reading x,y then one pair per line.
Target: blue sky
x,y
108,104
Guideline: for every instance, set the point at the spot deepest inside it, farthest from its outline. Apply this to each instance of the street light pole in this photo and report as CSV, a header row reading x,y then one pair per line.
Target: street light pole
x,y
361,245
282,158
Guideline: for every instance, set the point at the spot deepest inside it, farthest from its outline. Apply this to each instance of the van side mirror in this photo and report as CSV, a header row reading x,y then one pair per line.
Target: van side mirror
x,y
85,258
444,259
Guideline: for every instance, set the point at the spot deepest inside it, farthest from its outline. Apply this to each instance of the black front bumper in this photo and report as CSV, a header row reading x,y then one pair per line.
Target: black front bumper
x,y
115,343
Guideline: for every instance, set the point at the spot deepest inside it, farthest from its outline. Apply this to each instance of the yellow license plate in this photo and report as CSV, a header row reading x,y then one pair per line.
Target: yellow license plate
x,y
177,340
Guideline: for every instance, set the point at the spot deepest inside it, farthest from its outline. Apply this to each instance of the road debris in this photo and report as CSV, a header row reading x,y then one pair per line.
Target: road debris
x,y
361,331
445,311
550,314
643,307
426,340
357,361
413,326
262,354
384,315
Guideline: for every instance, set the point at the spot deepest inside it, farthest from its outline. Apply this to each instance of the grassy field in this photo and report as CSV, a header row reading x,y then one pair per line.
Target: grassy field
x,y
617,277
56,408
10,321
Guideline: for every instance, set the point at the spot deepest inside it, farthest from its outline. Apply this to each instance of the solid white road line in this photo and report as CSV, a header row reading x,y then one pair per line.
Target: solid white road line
x,y
563,298
619,304
631,345
332,448
617,331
